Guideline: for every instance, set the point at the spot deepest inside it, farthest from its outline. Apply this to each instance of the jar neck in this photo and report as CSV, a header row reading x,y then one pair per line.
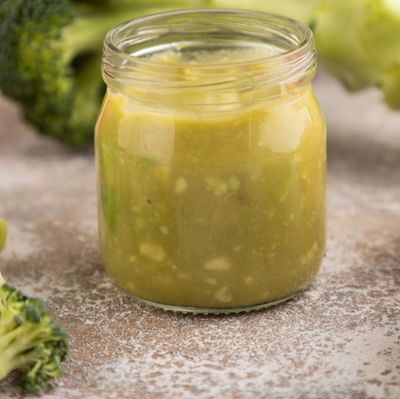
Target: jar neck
x,y
239,56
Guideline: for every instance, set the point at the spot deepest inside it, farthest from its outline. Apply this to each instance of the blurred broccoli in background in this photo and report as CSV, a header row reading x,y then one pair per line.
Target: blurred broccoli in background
x,y
359,41
50,50
50,53
30,340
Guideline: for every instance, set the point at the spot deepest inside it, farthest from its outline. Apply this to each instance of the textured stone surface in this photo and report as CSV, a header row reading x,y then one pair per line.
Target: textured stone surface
x,y
340,339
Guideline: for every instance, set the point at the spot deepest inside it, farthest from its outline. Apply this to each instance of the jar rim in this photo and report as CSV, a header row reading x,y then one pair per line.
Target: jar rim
x,y
294,60
297,28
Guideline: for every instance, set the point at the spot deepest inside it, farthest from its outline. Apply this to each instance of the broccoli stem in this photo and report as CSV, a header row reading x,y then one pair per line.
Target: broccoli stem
x,y
17,347
24,335
9,362
14,349
87,31
85,34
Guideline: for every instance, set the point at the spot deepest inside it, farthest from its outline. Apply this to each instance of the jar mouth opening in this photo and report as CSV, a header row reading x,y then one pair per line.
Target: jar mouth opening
x,y
298,36
228,50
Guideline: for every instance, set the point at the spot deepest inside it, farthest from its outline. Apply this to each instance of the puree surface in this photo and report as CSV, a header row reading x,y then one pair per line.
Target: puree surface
x,y
212,209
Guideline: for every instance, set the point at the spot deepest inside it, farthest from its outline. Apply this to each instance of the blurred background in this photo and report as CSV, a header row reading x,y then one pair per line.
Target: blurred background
x,y
50,51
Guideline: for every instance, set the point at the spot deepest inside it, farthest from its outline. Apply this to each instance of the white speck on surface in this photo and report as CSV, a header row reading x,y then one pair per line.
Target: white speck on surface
x,y
211,380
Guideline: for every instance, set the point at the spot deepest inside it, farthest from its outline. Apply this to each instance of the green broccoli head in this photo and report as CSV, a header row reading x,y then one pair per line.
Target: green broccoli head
x,y
31,70
30,340
50,52
50,349
42,48
48,366
359,42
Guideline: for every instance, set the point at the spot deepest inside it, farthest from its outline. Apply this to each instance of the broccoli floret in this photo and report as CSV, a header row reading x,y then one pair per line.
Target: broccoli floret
x,y
40,45
50,62
358,40
50,53
30,340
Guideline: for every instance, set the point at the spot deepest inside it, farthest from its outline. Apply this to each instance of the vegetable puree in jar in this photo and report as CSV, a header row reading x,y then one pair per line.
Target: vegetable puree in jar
x,y
211,204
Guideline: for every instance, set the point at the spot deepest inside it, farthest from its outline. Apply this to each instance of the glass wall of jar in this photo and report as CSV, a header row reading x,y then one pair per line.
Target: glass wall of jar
x,y
210,151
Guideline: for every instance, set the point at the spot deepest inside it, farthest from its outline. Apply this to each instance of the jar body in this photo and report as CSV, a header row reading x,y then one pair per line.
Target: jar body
x,y
212,212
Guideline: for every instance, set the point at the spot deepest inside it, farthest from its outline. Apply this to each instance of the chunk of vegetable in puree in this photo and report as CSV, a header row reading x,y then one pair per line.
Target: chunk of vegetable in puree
x,y
212,209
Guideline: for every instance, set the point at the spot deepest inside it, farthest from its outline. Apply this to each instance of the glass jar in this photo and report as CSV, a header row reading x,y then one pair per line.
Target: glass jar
x,y
210,150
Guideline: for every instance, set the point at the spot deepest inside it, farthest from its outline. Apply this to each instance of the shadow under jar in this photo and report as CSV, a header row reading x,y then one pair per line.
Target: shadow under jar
x,y
210,150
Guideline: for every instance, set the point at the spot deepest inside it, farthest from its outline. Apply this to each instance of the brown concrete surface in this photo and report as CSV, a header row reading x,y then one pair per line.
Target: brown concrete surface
x,y
340,339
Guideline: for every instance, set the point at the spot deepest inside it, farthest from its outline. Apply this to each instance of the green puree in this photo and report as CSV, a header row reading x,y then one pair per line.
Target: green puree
x,y
213,210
